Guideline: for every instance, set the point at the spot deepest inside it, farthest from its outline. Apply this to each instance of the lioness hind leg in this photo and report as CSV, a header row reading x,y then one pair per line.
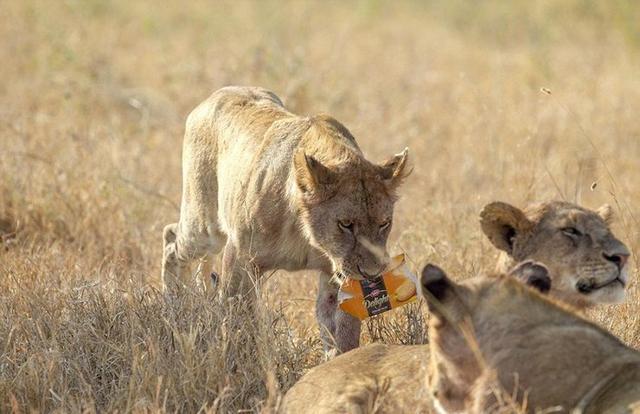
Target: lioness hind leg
x,y
181,247
170,263
205,271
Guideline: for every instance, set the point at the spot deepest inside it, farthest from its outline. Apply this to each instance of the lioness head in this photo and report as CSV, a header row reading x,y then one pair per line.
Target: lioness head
x,y
472,320
347,209
587,262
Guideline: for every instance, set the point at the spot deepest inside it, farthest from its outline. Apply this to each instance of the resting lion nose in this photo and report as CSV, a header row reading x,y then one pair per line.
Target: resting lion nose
x,y
618,259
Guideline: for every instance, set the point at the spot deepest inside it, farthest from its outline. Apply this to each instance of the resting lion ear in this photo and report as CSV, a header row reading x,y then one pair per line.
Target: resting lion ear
x,y
533,274
501,222
395,169
606,213
311,175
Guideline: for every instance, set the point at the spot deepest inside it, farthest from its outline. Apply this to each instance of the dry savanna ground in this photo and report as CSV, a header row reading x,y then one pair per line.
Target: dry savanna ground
x,y
93,98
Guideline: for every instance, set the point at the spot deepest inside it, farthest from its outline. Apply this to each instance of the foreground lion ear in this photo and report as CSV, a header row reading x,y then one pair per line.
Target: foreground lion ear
x,y
311,176
502,222
435,287
394,170
606,213
533,274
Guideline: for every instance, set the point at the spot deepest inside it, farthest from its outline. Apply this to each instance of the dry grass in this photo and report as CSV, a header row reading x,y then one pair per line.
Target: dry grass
x,y
93,96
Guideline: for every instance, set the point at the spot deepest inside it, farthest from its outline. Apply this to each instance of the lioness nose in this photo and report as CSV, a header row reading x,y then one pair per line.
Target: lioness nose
x,y
618,259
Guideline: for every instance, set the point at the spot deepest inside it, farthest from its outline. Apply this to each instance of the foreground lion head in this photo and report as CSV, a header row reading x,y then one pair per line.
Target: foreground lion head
x,y
490,335
587,262
347,204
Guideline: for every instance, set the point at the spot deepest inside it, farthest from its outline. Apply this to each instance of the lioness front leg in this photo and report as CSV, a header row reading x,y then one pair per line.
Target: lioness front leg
x,y
239,274
347,331
340,332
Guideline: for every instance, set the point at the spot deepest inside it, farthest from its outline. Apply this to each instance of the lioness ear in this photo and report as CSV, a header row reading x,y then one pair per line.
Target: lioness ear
x,y
502,222
606,213
311,175
394,170
533,274
434,286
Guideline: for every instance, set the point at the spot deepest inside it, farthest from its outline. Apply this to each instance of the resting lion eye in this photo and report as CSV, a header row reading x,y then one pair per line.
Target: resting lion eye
x,y
345,225
385,225
571,232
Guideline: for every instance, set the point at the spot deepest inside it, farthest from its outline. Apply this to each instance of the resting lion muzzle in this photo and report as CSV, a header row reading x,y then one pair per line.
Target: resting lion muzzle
x,y
587,286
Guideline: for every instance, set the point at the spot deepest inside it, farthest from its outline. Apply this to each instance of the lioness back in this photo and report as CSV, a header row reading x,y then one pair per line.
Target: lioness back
x,y
229,132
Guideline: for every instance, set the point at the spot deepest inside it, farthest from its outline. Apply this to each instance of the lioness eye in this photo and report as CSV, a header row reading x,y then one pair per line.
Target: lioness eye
x,y
571,232
345,225
385,225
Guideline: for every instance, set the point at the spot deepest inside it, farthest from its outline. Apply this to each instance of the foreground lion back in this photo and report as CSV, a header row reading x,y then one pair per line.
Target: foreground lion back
x,y
375,378
588,264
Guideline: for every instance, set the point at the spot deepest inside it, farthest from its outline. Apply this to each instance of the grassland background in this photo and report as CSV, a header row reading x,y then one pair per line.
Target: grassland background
x,y
93,98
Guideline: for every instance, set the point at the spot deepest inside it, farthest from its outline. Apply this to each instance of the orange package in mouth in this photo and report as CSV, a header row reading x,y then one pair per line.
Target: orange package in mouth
x,y
364,298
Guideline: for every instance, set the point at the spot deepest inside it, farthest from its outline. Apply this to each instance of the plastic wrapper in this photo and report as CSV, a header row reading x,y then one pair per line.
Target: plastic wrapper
x,y
364,298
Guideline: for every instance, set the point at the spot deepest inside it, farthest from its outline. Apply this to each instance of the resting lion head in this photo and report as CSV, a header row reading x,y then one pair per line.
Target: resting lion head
x,y
587,262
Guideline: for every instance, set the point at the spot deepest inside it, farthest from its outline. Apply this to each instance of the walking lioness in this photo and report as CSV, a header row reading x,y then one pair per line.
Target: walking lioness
x,y
280,191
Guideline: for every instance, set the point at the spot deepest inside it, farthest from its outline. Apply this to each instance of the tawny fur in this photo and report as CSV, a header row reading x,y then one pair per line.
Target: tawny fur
x,y
280,191
531,346
367,380
540,233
